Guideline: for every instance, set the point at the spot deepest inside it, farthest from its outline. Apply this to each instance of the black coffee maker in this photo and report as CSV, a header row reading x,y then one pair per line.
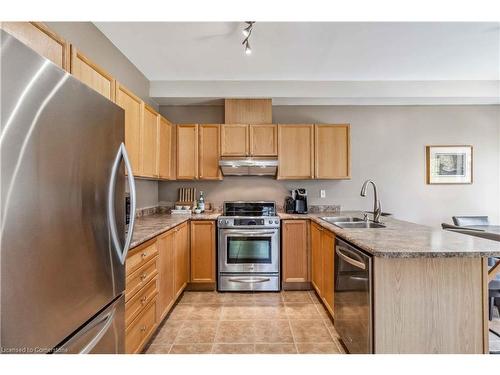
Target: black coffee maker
x,y
297,203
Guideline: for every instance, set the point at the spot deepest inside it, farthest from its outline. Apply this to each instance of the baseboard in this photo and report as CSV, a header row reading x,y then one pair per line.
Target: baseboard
x,y
201,286
296,286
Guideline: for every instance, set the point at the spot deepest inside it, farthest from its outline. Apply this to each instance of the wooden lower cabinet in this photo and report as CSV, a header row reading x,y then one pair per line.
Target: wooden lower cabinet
x,y
141,291
141,329
322,264
316,258
203,251
166,248
295,243
181,259
327,247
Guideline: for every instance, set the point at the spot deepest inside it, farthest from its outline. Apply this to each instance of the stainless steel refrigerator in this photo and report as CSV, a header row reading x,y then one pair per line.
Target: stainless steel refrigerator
x,y
63,241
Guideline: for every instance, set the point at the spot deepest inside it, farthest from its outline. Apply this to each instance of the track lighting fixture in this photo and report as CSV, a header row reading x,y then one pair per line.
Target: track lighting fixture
x,y
248,50
247,32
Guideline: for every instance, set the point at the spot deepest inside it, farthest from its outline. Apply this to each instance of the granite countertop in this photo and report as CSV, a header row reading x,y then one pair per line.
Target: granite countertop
x,y
399,239
403,239
147,227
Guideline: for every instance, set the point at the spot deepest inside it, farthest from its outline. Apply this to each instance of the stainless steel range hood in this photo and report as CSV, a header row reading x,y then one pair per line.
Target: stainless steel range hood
x,y
249,167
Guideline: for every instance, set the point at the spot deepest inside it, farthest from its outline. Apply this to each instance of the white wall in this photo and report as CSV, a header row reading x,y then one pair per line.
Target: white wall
x,y
388,146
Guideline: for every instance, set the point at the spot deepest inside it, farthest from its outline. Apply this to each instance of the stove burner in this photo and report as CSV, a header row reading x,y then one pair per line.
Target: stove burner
x,y
249,209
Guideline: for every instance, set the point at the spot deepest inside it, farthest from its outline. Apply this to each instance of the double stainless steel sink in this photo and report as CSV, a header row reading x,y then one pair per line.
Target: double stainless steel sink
x,y
350,222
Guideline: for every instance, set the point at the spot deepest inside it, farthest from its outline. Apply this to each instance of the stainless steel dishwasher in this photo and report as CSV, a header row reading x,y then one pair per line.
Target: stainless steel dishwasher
x,y
353,297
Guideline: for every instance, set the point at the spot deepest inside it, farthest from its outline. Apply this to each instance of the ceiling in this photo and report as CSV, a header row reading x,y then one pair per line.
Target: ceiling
x,y
182,58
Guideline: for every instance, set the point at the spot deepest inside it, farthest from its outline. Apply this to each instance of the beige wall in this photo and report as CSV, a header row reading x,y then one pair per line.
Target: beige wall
x,y
94,44
388,146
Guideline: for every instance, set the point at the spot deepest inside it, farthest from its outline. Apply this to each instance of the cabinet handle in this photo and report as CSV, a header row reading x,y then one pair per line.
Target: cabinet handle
x,y
143,300
143,276
143,255
143,328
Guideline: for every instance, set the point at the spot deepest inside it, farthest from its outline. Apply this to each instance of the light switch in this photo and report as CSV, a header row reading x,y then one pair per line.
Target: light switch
x,y
322,194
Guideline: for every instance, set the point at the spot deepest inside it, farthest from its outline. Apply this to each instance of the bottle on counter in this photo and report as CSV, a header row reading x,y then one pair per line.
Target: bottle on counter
x,y
201,202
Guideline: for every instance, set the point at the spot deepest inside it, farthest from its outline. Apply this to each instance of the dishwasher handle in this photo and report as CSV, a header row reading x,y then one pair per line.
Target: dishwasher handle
x,y
353,262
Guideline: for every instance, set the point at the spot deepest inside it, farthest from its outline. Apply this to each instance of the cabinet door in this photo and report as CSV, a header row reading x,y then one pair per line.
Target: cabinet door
x,y
149,153
42,40
133,107
92,75
295,151
234,140
202,251
209,152
327,243
181,258
295,244
316,258
165,274
187,151
331,153
264,140
165,152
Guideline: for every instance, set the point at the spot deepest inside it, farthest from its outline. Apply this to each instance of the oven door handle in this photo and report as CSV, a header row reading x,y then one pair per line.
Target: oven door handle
x,y
250,280
250,233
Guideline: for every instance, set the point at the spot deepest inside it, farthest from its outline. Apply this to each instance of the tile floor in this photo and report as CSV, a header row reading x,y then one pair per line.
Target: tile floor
x,y
246,323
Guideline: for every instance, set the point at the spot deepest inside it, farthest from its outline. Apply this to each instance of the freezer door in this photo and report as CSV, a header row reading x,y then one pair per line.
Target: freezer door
x,y
59,141
102,335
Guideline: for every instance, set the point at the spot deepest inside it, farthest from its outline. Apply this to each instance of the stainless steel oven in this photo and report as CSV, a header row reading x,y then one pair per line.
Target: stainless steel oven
x,y
248,247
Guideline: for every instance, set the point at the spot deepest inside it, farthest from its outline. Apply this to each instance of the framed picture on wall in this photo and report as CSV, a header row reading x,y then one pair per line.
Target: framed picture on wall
x,y
449,164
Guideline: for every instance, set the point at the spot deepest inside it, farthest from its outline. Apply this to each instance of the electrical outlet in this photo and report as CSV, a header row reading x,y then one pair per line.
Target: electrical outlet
x,y
322,194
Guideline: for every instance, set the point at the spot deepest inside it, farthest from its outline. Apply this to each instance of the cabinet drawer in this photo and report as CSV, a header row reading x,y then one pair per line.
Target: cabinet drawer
x,y
134,306
141,255
141,277
141,329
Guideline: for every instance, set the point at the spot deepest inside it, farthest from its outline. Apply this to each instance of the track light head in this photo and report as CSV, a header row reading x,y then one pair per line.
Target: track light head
x,y
248,49
247,32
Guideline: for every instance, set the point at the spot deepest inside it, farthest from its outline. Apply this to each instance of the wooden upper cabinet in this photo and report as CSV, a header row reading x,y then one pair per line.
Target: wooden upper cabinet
x,y
264,140
295,251
203,251
92,75
149,153
327,245
42,40
248,111
234,140
133,107
187,151
331,153
209,152
316,258
295,151
165,150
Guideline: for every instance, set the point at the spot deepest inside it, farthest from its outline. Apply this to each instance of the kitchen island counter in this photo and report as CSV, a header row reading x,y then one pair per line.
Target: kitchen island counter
x,y
403,239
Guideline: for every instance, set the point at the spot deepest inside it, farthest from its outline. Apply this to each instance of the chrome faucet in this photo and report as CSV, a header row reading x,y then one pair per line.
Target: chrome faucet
x,y
376,203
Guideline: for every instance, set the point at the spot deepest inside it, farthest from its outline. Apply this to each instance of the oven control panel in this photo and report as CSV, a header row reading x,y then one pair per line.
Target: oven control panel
x,y
246,222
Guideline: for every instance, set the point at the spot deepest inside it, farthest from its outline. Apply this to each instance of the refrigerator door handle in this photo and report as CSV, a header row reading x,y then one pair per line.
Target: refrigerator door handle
x,y
80,344
121,252
108,319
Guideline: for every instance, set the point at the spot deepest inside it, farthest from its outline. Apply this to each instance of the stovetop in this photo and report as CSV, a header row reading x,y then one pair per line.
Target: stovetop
x,y
249,209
